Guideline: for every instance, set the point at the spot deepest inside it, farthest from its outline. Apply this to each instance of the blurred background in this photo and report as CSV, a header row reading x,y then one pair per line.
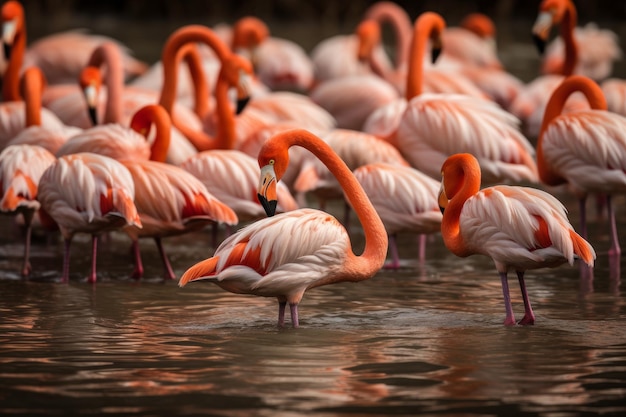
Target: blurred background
x,y
143,25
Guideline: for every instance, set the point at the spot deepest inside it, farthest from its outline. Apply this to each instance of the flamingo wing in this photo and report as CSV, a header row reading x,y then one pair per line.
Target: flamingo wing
x,y
589,149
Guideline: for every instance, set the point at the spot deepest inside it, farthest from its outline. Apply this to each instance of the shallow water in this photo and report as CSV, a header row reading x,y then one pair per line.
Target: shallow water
x,y
427,339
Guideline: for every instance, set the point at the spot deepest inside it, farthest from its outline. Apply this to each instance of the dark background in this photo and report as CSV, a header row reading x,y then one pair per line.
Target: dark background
x,y
144,25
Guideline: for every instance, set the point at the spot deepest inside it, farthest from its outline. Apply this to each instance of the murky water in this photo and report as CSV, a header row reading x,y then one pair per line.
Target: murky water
x,y
427,339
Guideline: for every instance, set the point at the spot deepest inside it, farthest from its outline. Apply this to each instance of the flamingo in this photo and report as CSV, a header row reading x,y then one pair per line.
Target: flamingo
x,y
585,149
285,255
530,103
406,201
428,127
87,193
49,137
60,56
170,201
21,167
472,42
520,228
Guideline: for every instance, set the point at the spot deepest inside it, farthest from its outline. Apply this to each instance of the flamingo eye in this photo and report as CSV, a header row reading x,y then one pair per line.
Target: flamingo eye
x,y
272,162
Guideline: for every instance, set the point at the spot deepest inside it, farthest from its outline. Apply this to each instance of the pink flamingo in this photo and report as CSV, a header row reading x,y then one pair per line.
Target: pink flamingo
x,y
87,193
427,128
170,201
520,228
262,259
406,201
585,149
21,167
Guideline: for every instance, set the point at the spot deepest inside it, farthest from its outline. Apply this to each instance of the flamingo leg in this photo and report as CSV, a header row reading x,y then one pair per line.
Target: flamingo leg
x,y
529,316
509,320
169,272
281,313
94,251
294,315
138,270
615,250
395,259
66,260
28,219
422,247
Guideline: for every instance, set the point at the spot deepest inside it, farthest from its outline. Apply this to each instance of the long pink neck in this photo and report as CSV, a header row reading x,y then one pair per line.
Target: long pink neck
x,y
156,115
32,85
109,55
594,95
469,184
568,23
428,25
170,59
398,18
376,242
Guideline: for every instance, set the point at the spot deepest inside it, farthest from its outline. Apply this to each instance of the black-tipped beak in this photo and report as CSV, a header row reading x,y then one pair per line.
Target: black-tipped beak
x,y
241,104
540,43
442,209
434,54
93,115
7,51
268,206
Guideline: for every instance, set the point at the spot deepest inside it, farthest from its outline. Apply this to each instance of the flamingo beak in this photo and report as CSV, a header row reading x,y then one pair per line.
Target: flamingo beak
x,y
243,92
541,30
91,96
8,37
442,199
267,190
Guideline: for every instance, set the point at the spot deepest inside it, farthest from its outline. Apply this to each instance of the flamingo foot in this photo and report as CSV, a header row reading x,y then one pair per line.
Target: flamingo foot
x,y
26,269
392,265
527,320
509,321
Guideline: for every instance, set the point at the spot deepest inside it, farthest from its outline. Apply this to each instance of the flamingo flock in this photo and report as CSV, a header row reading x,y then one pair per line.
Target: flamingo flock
x,y
237,129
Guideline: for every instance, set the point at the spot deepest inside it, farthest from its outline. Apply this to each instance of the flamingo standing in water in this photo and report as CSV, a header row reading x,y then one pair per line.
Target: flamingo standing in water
x,y
585,149
21,167
170,200
87,193
285,255
428,127
406,201
520,228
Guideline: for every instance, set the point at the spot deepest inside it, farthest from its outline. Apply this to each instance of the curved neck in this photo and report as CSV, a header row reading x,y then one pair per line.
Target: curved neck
x,y
389,12
428,25
32,85
192,58
170,59
376,241
575,83
108,55
156,115
568,23
467,184
11,78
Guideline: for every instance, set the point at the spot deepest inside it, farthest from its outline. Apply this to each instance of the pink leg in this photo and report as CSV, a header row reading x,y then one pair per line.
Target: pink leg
x,y
615,249
422,248
138,270
529,316
66,261
395,259
510,317
169,273
94,251
28,219
281,313
294,315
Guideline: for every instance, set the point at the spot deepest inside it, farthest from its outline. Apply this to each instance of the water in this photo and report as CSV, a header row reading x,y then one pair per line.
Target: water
x,y
427,339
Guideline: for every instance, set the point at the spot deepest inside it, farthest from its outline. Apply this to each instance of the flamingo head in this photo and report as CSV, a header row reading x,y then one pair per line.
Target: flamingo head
x,y
273,160
368,33
12,24
550,13
90,81
237,71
